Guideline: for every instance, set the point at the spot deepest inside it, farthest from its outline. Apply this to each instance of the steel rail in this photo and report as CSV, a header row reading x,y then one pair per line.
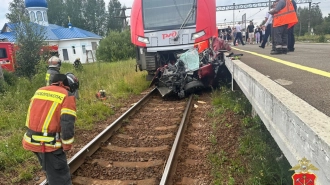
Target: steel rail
x,y
78,159
170,167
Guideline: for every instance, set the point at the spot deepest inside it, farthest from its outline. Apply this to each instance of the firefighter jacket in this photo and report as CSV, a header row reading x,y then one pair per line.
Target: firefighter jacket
x,y
50,120
50,75
287,15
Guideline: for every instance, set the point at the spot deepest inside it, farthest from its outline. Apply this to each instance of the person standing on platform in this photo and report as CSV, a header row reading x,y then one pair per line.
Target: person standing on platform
x,y
250,30
268,27
284,17
291,39
238,34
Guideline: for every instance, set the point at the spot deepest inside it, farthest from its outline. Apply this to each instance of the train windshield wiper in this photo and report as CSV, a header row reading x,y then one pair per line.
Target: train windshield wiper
x,y
190,13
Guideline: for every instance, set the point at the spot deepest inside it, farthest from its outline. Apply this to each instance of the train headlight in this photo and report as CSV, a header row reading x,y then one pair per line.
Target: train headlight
x,y
197,35
143,39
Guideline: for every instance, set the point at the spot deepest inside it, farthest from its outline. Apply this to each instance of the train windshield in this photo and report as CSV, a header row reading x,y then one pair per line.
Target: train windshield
x,y
167,14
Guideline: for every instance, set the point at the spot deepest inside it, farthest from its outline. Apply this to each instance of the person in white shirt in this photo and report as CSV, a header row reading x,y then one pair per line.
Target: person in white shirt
x,y
268,25
238,33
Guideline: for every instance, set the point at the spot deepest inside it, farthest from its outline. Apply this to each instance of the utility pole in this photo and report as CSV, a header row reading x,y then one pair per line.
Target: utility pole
x,y
123,16
309,18
233,14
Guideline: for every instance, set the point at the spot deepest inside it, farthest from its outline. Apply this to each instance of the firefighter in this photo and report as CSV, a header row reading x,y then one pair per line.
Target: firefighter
x,y
77,63
50,127
54,66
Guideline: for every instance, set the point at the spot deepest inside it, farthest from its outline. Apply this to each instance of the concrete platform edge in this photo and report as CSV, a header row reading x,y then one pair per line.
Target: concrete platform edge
x,y
299,129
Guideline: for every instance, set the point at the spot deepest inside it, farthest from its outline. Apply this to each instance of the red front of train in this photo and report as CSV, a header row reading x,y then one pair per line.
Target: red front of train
x,y
155,28
162,30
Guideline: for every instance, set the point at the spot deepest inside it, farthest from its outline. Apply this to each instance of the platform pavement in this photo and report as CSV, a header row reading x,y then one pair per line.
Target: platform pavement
x,y
304,72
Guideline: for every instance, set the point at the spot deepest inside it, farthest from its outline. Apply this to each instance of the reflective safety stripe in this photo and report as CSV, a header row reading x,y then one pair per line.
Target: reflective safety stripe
x,y
43,138
49,95
67,142
28,140
49,117
28,116
68,111
47,78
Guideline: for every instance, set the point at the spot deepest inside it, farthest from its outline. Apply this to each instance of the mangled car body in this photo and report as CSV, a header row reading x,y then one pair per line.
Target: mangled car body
x,y
174,43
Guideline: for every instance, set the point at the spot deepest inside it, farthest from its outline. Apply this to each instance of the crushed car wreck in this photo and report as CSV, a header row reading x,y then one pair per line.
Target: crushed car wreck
x,y
193,70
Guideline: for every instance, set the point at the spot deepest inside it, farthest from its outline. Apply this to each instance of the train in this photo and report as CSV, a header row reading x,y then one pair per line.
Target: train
x,y
173,41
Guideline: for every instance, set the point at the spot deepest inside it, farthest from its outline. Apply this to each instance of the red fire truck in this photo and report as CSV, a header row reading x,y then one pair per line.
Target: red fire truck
x,y
7,60
7,54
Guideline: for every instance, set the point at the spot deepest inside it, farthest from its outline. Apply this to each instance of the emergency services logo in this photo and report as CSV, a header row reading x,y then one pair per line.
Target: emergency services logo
x,y
304,177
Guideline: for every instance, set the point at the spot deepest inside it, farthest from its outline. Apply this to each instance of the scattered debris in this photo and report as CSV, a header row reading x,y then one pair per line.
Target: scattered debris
x,y
101,95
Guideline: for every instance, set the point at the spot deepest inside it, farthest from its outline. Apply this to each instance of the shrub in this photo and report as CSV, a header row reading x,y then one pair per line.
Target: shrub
x,y
3,86
116,46
322,38
10,78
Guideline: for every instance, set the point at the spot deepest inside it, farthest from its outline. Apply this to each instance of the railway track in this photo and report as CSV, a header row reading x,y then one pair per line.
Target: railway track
x,y
140,147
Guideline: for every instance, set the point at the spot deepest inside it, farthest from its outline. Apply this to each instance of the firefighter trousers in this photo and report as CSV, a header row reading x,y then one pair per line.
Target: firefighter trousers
x,y
56,167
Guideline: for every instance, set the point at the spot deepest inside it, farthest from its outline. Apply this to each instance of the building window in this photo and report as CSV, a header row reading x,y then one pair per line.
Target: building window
x,y
94,45
74,49
39,16
32,17
83,49
45,16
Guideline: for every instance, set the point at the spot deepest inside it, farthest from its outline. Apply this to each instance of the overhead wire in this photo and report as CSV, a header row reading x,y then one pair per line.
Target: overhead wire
x,y
257,12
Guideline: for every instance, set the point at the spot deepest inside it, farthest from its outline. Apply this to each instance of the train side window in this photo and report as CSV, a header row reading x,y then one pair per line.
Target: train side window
x,y
3,53
74,49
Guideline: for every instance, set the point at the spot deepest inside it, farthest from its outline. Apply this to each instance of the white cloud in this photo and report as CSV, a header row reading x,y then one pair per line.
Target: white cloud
x,y
3,10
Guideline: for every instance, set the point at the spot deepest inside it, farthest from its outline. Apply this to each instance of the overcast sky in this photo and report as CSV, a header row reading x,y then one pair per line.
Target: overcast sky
x,y
257,14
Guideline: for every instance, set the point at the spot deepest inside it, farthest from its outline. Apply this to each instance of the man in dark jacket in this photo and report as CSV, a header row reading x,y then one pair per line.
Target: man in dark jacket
x,y
291,39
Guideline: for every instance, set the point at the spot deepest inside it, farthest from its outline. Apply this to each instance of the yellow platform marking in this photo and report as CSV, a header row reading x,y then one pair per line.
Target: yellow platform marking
x,y
291,64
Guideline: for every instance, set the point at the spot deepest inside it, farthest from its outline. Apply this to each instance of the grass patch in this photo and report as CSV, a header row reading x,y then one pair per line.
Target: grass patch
x,y
119,79
255,157
314,38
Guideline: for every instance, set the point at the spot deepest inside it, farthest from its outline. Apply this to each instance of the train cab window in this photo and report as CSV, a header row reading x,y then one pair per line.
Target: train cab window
x,y
158,14
3,53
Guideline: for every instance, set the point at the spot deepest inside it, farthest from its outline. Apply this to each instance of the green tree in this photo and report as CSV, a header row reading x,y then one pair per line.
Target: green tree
x,y
316,18
114,23
17,11
56,12
303,16
95,15
75,10
116,46
29,39
324,28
